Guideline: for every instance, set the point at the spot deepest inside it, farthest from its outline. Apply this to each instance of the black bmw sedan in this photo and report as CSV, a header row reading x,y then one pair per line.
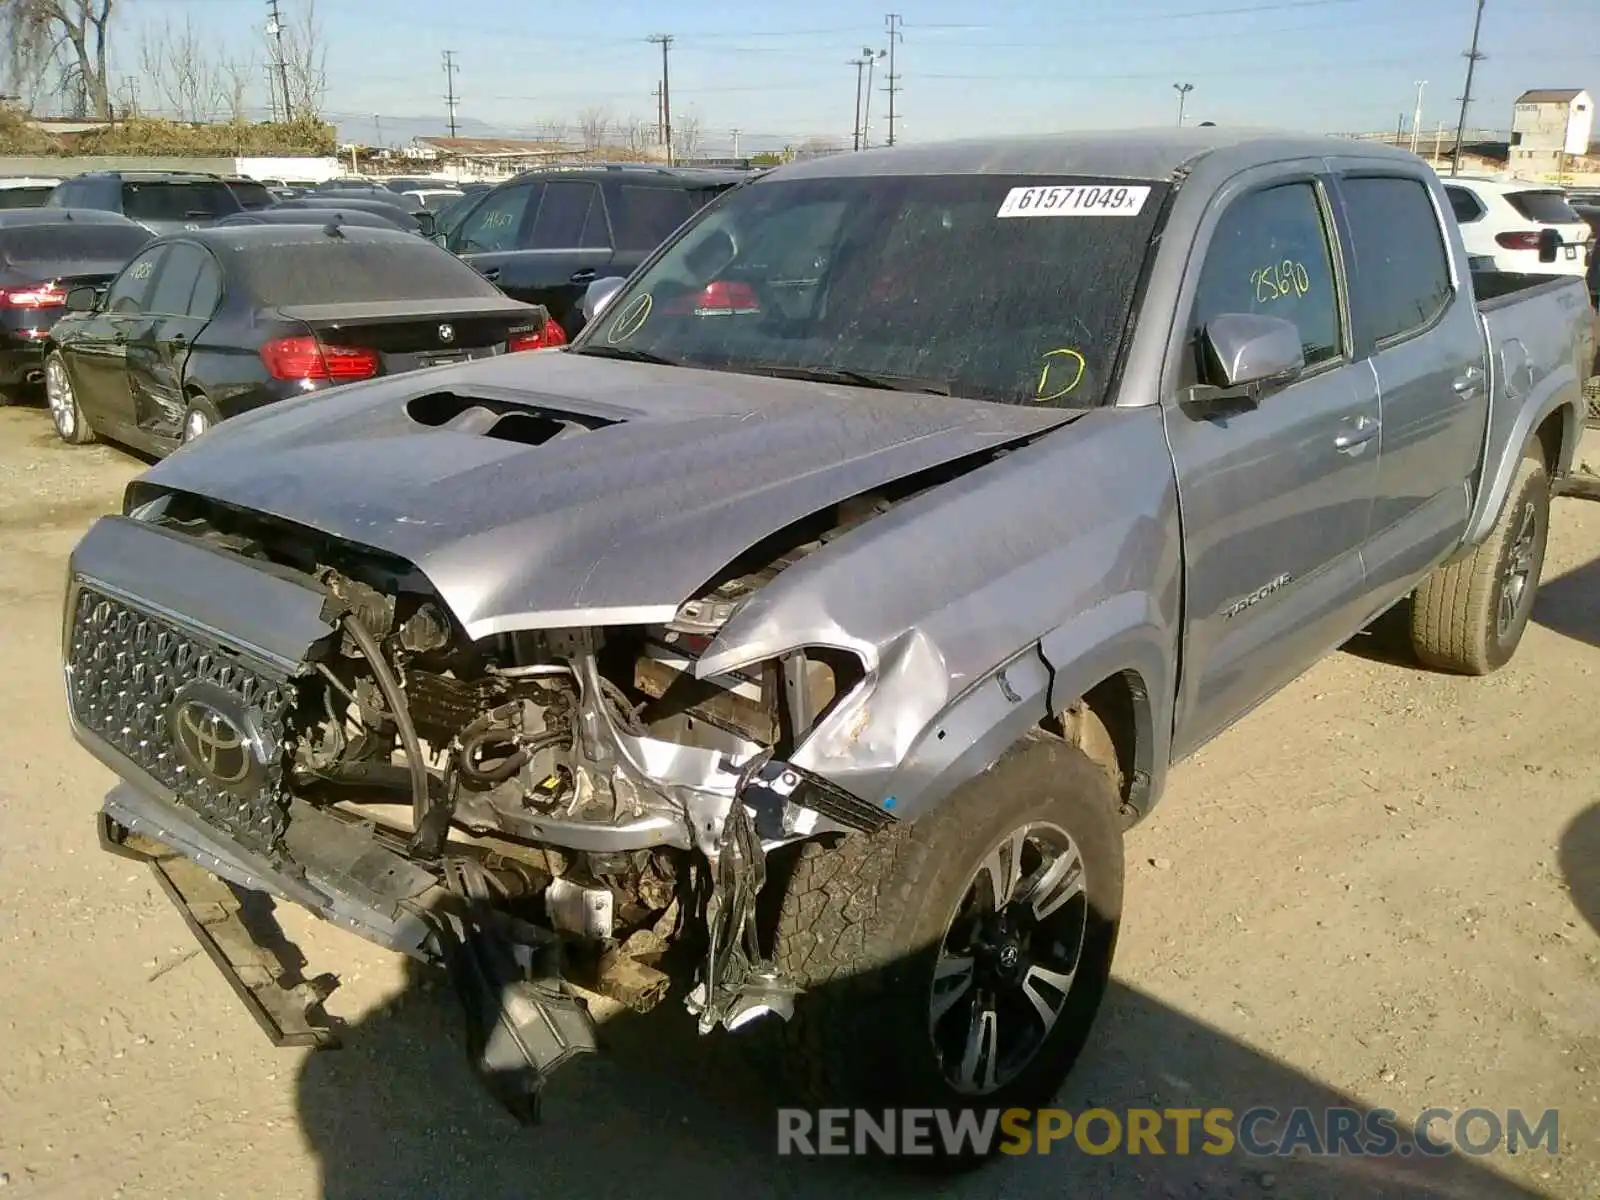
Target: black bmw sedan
x,y
205,325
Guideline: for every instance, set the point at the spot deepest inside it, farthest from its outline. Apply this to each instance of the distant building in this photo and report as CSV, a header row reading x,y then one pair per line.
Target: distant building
x,y
1548,126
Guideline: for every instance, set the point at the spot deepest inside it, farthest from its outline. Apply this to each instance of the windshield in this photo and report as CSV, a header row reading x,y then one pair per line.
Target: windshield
x,y
26,196
1546,208
322,270
40,244
1010,289
177,201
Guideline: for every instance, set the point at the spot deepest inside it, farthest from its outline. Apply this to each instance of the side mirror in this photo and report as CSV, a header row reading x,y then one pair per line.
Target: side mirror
x,y
83,299
1549,245
425,223
1247,350
599,294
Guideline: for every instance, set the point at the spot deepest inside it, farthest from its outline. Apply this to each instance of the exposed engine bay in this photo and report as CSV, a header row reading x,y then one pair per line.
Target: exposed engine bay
x,y
582,780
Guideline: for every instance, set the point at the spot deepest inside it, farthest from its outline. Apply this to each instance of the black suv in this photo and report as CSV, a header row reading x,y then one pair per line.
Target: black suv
x,y
161,201
546,234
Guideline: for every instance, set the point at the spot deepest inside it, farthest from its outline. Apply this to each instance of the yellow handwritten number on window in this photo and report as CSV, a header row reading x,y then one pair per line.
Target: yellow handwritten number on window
x,y
1287,278
1063,369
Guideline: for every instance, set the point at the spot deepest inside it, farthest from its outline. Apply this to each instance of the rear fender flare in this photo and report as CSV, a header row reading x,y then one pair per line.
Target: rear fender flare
x,y
1550,397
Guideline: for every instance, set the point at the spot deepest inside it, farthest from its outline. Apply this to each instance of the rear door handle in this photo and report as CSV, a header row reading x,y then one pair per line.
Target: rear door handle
x,y
1467,382
586,275
490,273
1366,428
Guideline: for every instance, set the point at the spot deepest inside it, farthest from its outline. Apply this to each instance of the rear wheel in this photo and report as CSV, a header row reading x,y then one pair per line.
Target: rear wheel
x,y
198,419
1469,616
65,410
958,963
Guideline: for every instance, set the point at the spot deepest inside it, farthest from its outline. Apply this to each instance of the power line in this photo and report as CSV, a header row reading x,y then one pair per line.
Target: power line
x,y
450,87
665,41
892,80
1466,92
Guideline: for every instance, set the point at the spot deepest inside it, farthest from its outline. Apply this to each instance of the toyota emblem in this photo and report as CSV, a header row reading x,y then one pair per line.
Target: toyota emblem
x,y
215,737
447,333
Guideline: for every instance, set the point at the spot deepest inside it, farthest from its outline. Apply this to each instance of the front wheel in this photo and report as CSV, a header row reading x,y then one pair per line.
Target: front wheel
x,y
65,410
1469,616
198,419
958,963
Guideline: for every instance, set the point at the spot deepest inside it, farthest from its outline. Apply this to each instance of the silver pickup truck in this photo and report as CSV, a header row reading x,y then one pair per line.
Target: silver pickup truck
x,y
824,614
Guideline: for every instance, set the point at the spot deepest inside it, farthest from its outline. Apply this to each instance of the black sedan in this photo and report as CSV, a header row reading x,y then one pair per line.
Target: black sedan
x,y
203,326
44,252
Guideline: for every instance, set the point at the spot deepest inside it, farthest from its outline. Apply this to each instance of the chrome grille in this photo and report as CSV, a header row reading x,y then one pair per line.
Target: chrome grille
x,y
124,668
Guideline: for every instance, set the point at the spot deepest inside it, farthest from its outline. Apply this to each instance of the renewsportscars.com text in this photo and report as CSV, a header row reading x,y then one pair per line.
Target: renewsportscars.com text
x,y
1260,1132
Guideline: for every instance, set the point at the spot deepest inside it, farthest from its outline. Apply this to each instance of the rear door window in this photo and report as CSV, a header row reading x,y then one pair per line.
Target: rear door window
x,y
175,280
171,200
1399,253
1544,208
496,222
1467,207
646,216
570,217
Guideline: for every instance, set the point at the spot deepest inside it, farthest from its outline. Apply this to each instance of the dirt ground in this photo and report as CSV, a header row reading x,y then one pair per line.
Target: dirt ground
x,y
1381,889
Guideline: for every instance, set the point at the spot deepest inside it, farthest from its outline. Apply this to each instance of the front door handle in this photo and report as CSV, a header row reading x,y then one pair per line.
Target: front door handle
x,y
1467,382
491,273
1366,428
587,275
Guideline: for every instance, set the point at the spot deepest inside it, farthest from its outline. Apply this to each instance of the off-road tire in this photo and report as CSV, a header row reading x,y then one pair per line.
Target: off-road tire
x,y
861,924
1454,623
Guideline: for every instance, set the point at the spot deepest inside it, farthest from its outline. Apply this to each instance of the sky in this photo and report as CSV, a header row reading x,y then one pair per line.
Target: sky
x,y
780,73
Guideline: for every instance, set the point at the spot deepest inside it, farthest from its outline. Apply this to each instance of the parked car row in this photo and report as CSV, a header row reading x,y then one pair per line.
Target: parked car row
x,y
152,305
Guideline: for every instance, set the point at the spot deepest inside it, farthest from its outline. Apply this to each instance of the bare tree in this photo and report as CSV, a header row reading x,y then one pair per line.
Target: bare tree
x,y
63,42
306,58
636,134
550,131
686,136
593,124
186,82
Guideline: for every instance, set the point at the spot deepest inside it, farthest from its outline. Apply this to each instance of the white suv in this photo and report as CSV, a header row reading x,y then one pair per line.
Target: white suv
x,y
1505,221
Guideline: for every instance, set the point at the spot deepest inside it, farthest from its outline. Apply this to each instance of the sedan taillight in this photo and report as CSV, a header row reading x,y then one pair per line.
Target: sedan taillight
x,y
550,334
1528,240
34,295
297,358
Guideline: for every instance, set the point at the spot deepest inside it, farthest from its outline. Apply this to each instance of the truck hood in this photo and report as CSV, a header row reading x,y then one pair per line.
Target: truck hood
x,y
548,489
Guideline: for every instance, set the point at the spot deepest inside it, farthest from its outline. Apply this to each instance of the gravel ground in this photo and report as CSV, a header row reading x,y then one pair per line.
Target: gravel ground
x,y
1381,889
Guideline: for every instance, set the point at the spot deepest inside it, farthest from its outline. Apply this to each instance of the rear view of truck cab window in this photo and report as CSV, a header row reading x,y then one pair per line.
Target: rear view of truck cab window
x,y
1405,270
1269,256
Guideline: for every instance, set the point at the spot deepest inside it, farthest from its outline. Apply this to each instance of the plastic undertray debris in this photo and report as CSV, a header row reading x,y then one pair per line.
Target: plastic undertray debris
x,y
231,925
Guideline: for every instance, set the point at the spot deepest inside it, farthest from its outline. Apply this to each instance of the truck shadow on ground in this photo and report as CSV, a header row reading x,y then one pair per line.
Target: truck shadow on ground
x,y
1580,864
1570,604
1567,604
398,1113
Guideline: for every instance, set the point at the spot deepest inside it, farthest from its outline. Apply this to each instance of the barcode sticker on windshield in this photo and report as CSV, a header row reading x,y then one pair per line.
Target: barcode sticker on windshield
x,y
1074,200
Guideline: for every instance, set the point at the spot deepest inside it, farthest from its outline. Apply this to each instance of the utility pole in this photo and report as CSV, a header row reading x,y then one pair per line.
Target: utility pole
x,y
736,143
873,57
1399,130
450,87
859,64
892,84
275,32
1416,121
655,94
1473,58
665,41
272,91
1438,144
1183,90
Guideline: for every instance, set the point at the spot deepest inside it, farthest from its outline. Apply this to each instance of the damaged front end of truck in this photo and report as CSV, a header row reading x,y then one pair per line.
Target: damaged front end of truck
x,y
550,807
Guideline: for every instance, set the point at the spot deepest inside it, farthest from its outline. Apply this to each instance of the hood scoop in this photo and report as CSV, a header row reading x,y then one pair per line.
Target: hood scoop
x,y
507,420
